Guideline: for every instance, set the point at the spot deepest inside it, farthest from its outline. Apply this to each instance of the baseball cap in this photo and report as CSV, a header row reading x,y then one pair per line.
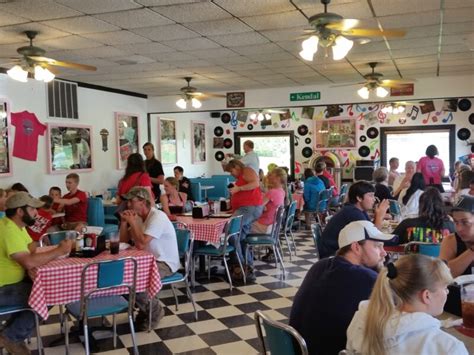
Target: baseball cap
x,y
465,203
139,192
20,199
362,230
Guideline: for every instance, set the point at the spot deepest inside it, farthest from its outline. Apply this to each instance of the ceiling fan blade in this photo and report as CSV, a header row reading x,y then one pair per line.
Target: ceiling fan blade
x,y
351,84
215,95
59,63
344,24
372,32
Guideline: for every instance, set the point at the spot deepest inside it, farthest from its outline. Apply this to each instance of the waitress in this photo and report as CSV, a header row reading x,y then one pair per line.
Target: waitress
x,y
247,200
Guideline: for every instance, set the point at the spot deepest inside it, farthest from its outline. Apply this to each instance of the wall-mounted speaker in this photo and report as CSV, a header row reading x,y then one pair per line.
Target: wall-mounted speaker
x,y
215,115
363,173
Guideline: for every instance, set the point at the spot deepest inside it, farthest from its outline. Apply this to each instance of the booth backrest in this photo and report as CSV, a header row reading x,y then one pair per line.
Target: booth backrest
x,y
220,189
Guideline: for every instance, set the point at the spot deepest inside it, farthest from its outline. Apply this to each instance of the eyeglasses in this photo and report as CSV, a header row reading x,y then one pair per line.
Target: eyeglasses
x,y
463,223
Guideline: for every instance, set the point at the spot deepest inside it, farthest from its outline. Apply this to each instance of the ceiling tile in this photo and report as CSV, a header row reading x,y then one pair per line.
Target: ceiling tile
x,y
117,37
216,53
461,14
357,9
414,43
134,18
277,21
243,8
37,10
401,7
192,44
219,27
144,48
169,57
265,57
80,25
165,33
192,64
410,19
99,52
230,60
96,7
458,27
165,2
15,33
68,42
240,39
7,19
286,34
193,12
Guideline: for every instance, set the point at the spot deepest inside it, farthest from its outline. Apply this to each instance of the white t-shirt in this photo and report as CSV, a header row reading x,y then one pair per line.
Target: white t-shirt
x,y
251,160
164,245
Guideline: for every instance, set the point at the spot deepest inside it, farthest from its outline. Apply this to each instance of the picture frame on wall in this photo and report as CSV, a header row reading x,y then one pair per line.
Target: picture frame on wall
x,y
168,143
5,141
340,133
198,134
126,125
69,148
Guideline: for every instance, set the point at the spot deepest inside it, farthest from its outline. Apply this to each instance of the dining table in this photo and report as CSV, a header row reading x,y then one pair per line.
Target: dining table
x,y
58,282
205,229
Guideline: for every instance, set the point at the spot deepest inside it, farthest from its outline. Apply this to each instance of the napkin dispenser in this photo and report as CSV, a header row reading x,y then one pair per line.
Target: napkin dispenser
x,y
453,302
225,205
201,211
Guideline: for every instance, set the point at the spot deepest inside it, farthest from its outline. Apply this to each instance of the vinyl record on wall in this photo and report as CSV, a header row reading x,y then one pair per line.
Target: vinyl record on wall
x,y
303,130
219,156
364,151
227,143
464,104
471,118
372,132
307,152
307,140
250,126
464,134
362,138
218,131
225,118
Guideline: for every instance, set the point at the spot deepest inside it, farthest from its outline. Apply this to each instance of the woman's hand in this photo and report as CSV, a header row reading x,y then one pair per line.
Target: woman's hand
x,y
233,190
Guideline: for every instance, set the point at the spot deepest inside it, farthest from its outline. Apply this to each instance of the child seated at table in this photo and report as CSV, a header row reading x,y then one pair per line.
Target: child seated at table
x,y
42,220
55,193
399,316
75,205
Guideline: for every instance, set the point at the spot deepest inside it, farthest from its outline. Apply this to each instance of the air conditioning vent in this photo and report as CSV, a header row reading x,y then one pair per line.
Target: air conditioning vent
x,y
62,99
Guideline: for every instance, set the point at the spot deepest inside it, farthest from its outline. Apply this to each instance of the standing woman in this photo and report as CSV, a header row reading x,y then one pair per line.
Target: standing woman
x,y
173,201
246,200
135,175
432,168
399,317
410,199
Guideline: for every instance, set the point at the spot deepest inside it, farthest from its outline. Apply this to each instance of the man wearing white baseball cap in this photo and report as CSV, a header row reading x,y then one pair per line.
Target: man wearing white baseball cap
x,y
332,289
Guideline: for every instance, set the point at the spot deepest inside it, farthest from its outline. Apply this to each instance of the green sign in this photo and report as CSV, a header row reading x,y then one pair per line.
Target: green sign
x,y
303,96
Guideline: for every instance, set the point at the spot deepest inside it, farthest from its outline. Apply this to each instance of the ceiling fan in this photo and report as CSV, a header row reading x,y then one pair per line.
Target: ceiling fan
x,y
374,82
32,60
190,94
329,30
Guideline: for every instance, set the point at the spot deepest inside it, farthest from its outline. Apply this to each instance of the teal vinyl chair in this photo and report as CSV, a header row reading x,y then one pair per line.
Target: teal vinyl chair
x,y
429,249
95,216
287,227
279,339
54,238
316,232
270,240
109,276
232,229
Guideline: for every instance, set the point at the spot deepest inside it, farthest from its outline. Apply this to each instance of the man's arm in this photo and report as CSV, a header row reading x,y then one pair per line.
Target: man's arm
x,y
135,231
67,201
380,212
160,179
457,265
31,260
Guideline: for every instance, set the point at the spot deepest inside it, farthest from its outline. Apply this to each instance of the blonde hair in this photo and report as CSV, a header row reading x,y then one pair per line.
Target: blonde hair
x,y
234,163
283,177
414,273
173,181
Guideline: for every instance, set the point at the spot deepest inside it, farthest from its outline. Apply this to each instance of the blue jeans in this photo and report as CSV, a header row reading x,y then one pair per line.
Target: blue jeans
x,y
249,215
20,325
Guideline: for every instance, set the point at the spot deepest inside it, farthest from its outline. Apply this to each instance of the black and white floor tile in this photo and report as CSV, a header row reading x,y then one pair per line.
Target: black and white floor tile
x,y
226,324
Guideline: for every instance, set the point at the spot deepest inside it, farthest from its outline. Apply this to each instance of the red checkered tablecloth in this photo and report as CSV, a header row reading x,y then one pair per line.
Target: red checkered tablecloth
x,y
206,229
59,281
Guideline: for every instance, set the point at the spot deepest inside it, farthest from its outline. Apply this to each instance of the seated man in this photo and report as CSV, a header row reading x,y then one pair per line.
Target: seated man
x,y
18,255
332,289
150,230
184,182
75,205
313,185
361,200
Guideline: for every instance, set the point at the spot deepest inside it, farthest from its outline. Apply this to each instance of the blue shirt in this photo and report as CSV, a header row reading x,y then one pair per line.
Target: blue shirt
x,y
312,187
325,303
329,239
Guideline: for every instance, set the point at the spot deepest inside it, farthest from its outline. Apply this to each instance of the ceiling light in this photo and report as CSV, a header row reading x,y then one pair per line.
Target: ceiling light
x,y
341,47
401,109
268,116
18,73
310,47
363,92
181,103
43,74
260,116
253,115
381,92
396,111
196,103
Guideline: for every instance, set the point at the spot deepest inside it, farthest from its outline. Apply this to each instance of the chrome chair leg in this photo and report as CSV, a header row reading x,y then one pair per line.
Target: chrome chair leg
x,y
191,298
175,296
39,342
114,327
66,335
149,314
208,267
279,258
293,241
228,272
86,338
132,333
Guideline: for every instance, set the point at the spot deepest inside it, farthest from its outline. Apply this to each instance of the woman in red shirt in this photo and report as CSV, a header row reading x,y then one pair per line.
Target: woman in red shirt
x,y
135,175
246,200
432,168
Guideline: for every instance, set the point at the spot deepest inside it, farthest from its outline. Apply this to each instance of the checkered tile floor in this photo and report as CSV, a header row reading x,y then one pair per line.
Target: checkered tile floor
x,y
225,325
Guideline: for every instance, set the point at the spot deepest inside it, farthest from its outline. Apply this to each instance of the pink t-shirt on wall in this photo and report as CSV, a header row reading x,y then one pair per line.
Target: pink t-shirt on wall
x,y
276,199
431,170
28,128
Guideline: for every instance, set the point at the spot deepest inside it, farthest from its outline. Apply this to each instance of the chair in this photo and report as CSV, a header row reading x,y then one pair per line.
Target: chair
x,y
429,249
8,310
56,237
110,275
288,225
270,240
395,208
322,206
341,198
185,246
232,229
280,339
95,216
316,231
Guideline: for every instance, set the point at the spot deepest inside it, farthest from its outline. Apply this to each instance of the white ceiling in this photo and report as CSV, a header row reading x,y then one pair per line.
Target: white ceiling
x,y
148,46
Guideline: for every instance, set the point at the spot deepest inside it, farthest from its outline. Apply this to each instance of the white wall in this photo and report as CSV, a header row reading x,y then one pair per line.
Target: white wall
x,y
96,108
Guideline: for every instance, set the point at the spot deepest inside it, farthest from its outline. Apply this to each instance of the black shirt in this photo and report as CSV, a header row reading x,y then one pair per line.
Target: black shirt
x,y
417,230
185,186
155,169
382,192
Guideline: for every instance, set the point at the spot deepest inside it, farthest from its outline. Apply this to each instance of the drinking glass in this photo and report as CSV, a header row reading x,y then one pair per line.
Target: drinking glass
x,y
467,305
114,240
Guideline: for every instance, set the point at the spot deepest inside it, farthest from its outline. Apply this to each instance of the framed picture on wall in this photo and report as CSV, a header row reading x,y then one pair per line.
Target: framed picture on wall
x,y
337,133
5,141
167,141
198,134
69,148
126,125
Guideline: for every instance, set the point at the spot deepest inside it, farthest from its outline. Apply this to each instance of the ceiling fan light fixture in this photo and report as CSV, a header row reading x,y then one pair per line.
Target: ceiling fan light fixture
x,y
43,74
341,47
196,103
18,73
253,115
260,116
181,103
381,92
310,44
363,93
268,116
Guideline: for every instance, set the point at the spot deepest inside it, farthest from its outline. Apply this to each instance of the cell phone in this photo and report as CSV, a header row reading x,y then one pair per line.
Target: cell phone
x,y
231,185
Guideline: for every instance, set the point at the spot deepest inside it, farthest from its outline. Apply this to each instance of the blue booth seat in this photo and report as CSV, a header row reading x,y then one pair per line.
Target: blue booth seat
x,y
220,189
95,216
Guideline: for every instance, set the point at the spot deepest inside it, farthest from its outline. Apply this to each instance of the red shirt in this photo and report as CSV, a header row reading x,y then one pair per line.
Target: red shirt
x,y
331,182
28,128
431,170
246,198
42,223
57,220
78,211
136,179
